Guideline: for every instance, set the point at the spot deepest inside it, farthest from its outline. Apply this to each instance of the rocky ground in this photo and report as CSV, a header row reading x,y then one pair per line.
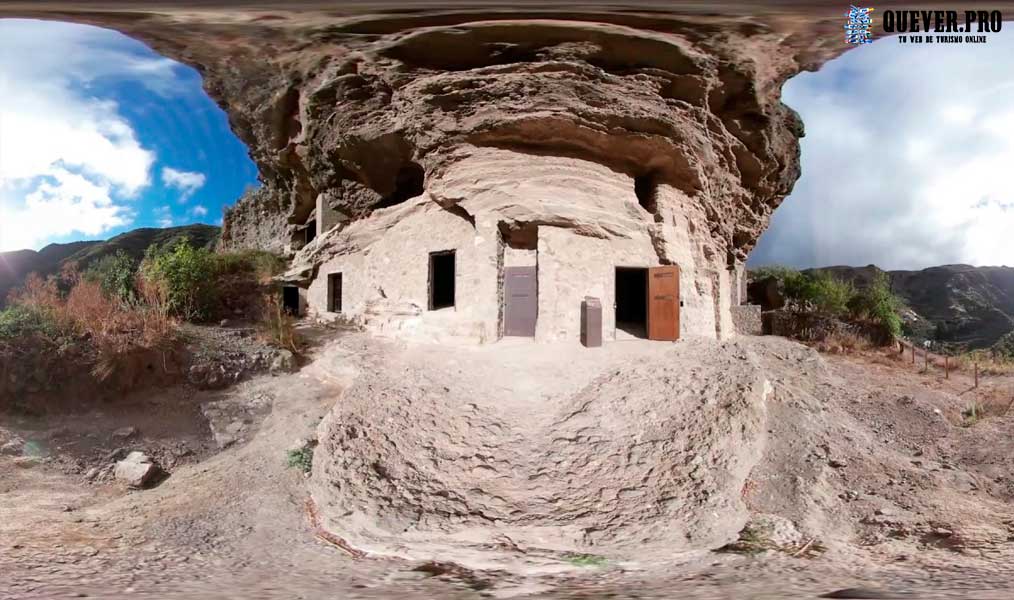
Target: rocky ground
x,y
839,473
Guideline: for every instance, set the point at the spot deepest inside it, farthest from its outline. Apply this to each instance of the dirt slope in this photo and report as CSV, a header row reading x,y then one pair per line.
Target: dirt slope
x,y
844,470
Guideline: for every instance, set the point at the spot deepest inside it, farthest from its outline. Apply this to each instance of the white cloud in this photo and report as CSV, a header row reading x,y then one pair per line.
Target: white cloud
x,y
901,169
187,182
199,211
69,162
163,217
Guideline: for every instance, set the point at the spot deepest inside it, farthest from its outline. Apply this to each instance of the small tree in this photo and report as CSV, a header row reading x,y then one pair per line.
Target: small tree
x,y
185,276
115,273
876,302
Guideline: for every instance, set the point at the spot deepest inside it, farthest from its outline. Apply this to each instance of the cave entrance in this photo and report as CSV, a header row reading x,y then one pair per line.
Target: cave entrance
x,y
311,232
631,302
442,275
648,303
290,300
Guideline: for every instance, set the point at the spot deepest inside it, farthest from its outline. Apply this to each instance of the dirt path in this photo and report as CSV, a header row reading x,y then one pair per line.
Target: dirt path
x,y
234,525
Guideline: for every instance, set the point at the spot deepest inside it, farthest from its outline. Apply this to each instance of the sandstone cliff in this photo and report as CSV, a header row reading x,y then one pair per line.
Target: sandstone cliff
x,y
356,107
554,118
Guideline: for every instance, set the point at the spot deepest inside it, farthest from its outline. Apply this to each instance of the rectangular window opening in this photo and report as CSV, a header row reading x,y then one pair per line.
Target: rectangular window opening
x,y
442,275
334,292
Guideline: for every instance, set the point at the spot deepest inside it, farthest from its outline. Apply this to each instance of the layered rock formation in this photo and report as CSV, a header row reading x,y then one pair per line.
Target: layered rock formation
x,y
652,136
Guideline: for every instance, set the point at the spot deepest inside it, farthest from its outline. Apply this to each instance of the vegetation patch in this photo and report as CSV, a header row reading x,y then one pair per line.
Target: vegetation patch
x,y
821,294
300,458
587,560
119,319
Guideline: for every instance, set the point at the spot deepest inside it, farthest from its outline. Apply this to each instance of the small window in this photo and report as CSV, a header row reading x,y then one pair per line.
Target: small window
x,y
334,292
311,231
442,272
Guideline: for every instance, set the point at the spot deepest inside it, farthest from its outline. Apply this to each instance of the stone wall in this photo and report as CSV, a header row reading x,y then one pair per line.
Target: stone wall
x,y
746,319
585,220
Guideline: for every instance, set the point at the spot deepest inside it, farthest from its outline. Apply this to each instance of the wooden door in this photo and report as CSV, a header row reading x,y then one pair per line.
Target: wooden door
x,y
664,303
521,299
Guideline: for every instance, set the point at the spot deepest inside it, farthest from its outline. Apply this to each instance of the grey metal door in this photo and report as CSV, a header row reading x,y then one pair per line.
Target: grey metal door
x,y
521,292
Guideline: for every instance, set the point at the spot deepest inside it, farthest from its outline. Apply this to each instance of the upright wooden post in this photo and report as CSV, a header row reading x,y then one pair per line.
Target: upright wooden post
x,y
913,354
976,374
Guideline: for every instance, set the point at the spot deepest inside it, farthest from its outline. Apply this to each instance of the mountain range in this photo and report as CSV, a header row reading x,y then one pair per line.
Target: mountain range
x,y
959,305
16,265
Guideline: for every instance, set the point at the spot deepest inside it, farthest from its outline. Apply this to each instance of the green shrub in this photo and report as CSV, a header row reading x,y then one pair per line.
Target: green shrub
x,y
773,271
876,302
830,295
301,458
186,276
587,560
23,323
116,274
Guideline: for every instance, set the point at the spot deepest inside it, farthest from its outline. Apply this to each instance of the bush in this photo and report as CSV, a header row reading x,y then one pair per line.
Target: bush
x,y
826,293
116,274
829,294
876,302
185,277
301,458
19,323
823,293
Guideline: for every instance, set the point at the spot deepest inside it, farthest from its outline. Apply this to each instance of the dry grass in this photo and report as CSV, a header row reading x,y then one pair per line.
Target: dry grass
x,y
988,363
987,402
843,343
113,329
278,328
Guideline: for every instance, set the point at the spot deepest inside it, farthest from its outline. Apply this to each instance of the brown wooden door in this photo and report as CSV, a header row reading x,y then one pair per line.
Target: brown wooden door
x,y
522,301
664,303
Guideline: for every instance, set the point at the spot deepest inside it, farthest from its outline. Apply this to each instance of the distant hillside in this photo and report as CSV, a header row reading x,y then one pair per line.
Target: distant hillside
x,y
16,265
959,304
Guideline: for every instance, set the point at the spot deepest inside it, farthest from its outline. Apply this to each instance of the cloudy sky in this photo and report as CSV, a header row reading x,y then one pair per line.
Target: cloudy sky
x,y
99,135
908,159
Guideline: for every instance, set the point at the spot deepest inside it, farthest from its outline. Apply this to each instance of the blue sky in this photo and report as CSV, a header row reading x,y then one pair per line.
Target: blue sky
x,y
100,135
907,160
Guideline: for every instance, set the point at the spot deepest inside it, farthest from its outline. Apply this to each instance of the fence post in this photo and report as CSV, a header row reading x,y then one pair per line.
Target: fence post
x,y
976,374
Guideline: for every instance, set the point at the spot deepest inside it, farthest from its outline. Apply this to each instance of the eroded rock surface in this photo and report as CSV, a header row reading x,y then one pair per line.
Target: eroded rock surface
x,y
606,468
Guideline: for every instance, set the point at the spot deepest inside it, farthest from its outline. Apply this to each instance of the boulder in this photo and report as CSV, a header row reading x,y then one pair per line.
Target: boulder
x,y
137,470
12,447
284,361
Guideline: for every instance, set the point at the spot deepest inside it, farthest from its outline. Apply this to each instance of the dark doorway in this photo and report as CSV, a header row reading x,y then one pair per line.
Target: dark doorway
x,y
311,231
441,279
522,301
334,292
290,300
632,301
